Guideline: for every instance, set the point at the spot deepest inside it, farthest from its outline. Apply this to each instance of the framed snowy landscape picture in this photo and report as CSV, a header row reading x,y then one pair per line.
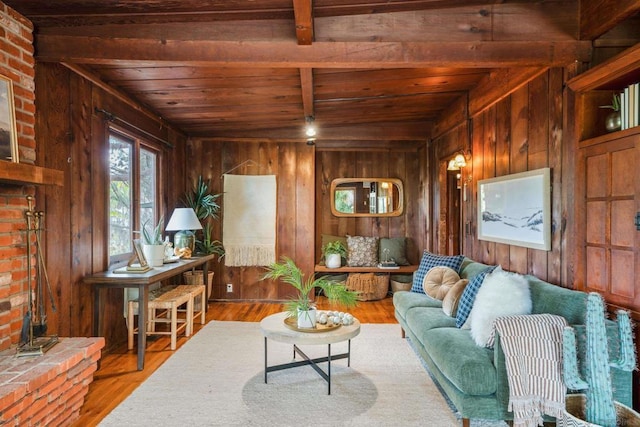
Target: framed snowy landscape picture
x,y
516,209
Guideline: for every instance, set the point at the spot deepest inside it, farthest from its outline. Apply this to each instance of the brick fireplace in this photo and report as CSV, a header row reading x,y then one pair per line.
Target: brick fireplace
x,y
16,63
50,388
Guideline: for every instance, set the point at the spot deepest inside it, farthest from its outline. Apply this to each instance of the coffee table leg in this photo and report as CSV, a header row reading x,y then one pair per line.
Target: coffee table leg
x,y
265,360
329,367
349,354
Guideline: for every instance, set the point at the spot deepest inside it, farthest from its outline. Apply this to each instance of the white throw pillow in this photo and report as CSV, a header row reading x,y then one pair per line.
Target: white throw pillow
x,y
502,294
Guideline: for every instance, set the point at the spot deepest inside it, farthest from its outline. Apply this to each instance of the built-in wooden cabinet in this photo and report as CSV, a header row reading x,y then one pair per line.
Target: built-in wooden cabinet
x,y
607,186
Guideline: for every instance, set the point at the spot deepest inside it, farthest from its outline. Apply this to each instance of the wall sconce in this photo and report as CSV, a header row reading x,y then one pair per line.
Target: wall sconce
x,y
310,129
459,161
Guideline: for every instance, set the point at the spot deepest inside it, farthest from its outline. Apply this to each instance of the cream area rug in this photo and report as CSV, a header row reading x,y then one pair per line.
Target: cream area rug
x,y
249,220
217,379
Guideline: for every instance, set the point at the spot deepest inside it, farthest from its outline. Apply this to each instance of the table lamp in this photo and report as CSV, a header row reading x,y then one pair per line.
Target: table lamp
x,y
184,220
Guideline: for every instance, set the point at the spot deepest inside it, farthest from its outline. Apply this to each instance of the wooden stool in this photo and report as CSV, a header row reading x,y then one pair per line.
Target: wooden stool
x,y
168,301
199,295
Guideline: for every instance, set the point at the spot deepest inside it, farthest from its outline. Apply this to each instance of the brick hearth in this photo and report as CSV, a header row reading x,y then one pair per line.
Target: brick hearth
x,y
48,389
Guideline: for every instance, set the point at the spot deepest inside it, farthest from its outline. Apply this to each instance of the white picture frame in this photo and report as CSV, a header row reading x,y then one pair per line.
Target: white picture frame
x,y
8,132
516,209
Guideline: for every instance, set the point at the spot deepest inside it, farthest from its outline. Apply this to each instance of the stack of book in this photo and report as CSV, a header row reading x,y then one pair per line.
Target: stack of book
x,y
133,268
388,264
629,106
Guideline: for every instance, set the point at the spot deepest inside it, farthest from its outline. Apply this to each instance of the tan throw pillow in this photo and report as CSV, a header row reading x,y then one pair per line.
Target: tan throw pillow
x,y
438,281
362,251
450,301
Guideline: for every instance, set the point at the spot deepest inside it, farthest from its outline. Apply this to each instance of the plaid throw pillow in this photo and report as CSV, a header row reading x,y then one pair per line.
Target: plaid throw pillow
x,y
429,261
469,296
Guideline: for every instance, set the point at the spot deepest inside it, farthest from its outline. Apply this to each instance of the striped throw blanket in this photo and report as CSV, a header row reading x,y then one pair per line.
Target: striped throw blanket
x,y
532,346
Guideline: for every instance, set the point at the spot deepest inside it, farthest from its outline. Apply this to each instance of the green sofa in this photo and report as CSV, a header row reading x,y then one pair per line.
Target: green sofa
x,y
474,378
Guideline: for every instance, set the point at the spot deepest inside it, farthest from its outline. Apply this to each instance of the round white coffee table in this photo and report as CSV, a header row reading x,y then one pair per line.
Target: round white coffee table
x,y
273,327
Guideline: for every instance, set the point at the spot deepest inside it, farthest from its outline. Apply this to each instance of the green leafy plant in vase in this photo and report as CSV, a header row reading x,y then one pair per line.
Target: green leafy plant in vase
x,y
301,306
613,121
205,204
333,253
153,245
208,245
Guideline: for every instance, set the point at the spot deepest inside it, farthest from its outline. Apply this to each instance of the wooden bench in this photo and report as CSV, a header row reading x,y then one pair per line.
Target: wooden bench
x,y
169,301
402,269
198,306
380,290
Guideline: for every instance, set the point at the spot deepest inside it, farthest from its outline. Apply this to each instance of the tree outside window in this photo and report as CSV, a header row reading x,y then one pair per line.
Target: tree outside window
x,y
132,201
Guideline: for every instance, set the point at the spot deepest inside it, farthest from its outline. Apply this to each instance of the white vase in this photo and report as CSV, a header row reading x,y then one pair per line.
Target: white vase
x,y
333,260
154,254
307,318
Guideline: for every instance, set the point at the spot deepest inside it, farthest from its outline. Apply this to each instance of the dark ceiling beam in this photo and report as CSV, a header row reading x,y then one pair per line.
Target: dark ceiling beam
x,y
97,12
303,12
286,54
306,85
599,16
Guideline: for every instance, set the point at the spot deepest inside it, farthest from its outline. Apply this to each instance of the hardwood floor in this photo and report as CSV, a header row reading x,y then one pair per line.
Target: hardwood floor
x,y
118,376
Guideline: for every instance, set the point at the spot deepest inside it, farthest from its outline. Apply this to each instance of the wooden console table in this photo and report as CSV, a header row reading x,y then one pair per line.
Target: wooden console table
x,y
109,279
402,269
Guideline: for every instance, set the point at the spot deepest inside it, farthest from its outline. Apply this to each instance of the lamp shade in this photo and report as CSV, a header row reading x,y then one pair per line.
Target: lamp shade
x,y
183,219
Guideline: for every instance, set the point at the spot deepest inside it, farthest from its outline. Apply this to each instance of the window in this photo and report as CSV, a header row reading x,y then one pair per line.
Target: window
x,y
133,191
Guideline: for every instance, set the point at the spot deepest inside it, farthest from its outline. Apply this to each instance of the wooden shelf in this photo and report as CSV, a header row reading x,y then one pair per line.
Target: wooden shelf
x,y
610,136
613,74
595,88
402,269
22,173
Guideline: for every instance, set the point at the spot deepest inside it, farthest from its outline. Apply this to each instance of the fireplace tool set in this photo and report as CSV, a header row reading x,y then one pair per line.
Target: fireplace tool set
x,y
34,341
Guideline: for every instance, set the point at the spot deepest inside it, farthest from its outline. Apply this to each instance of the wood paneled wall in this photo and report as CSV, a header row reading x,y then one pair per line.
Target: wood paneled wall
x,y
293,165
520,132
72,137
405,166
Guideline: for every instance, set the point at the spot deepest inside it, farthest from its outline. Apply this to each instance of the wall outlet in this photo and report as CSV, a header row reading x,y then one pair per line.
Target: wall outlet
x,y
229,287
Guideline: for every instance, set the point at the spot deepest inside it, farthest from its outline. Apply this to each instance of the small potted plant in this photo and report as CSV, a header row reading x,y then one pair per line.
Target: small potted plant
x,y
333,252
301,306
613,120
153,245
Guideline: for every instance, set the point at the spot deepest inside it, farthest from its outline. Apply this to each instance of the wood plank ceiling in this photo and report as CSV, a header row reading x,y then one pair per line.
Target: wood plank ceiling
x,y
361,69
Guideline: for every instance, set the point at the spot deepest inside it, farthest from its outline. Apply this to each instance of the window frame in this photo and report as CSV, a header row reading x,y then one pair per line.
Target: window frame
x,y
138,143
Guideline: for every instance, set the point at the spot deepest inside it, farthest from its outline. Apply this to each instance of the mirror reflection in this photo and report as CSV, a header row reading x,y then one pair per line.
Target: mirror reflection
x,y
366,197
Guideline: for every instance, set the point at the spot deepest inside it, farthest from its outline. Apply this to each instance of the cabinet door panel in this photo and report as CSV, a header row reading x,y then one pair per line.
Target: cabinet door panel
x,y
611,241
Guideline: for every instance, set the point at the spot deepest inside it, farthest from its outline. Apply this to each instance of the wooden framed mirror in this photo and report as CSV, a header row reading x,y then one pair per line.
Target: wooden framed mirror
x,y
372,197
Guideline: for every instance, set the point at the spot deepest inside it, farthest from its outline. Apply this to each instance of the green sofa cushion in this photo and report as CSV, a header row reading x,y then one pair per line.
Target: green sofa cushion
x,y
547,298
470,268
427,318
403,301
469,367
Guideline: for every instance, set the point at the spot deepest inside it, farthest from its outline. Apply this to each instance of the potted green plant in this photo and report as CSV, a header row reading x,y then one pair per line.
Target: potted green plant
x,y
613,120
205,204
301,306
152,243
206,207
202,201
207,245
333,252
